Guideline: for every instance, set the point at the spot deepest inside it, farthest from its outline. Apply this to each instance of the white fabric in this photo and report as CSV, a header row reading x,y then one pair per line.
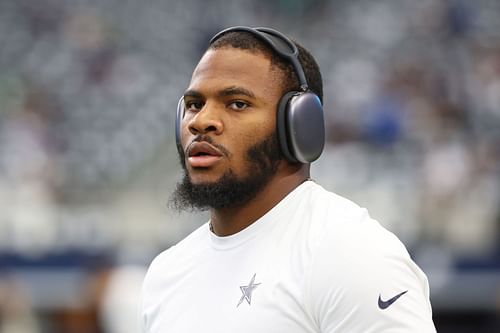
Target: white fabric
x,y
318,263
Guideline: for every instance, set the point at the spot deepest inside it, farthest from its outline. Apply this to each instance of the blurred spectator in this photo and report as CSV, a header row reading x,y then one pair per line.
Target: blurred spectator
x,y
30,172
119,302
16,313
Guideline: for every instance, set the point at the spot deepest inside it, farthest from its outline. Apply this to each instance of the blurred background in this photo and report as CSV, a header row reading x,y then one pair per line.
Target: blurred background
x,y
88,91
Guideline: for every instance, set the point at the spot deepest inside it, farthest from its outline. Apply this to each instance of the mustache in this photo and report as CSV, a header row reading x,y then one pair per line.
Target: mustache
x,y
210,140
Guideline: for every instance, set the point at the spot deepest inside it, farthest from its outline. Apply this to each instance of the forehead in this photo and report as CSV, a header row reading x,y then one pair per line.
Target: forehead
x,y
227,67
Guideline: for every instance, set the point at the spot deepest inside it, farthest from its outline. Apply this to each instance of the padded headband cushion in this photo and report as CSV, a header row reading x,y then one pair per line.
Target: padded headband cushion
x,y
280,44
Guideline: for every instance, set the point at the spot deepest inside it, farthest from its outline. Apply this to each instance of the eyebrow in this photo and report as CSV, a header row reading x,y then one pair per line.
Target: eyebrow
x,y
230,91
236,91
193,93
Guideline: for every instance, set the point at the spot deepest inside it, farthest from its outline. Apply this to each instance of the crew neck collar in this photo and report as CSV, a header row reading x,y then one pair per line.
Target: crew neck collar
x,y
264,222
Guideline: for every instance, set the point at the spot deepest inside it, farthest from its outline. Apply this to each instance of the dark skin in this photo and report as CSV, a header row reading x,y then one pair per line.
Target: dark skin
x,y
233,97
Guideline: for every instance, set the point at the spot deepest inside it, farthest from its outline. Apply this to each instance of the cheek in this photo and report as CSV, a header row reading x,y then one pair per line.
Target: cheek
x,y
185,133
253,136
186,136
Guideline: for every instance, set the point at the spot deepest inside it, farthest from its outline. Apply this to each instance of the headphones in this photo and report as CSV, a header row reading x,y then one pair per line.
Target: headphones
x,y
300,119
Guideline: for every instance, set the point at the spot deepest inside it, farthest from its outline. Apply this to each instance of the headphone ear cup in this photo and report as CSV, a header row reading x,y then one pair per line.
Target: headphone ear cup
x,y
301,126
283,132
178,126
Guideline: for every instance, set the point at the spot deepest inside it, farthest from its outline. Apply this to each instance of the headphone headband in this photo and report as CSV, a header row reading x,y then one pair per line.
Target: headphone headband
x,y
281,44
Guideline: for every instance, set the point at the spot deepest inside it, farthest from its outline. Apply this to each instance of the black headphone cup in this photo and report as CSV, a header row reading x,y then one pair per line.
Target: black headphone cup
x,y
301,126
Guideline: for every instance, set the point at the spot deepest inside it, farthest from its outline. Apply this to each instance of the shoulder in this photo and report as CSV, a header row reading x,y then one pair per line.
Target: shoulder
x,y
343,224
314,191
328,206
169,260
166,270
354,262
343,239
350,239
330,216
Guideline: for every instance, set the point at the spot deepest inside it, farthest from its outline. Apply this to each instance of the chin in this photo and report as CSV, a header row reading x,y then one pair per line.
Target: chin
x,y
199,177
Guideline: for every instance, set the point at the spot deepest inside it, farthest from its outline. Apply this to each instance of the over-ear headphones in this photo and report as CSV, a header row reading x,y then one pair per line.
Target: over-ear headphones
x,y
300,119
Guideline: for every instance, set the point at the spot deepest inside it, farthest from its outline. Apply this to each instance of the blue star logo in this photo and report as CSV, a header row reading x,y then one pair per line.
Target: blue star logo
x,y
247,291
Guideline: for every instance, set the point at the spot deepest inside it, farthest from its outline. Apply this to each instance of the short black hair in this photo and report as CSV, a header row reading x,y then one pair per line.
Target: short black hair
x,y
247,41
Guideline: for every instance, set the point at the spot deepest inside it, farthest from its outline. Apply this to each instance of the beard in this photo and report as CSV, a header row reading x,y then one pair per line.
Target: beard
x,y
230,190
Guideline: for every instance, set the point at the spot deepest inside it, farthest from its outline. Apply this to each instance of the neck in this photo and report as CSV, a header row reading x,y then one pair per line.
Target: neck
x,y
228,221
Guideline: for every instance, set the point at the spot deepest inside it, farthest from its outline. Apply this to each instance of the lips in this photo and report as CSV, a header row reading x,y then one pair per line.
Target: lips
x,y
203,155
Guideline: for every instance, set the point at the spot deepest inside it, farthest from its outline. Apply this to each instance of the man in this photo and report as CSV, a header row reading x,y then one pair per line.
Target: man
x,y
280,254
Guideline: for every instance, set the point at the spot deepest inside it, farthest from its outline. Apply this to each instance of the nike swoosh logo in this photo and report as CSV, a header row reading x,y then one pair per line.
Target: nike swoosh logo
x,y
385,304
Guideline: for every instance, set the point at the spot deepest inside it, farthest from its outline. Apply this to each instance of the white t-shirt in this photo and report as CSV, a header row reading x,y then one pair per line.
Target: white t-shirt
x,y
316,262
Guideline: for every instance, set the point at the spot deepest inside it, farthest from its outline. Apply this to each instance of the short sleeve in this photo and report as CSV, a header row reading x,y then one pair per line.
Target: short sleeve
x,y
362,279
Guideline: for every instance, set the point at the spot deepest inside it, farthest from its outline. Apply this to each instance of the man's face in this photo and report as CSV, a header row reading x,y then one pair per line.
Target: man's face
x,y
228,131
232,98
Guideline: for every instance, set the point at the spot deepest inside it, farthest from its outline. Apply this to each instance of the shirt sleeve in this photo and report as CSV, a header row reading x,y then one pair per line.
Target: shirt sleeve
x,y
362,279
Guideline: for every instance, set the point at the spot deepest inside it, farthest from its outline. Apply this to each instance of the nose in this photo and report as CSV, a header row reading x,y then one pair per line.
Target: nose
x,y
206,121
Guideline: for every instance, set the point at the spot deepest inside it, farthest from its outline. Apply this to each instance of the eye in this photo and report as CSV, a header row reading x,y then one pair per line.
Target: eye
x,y
194,105
239,105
